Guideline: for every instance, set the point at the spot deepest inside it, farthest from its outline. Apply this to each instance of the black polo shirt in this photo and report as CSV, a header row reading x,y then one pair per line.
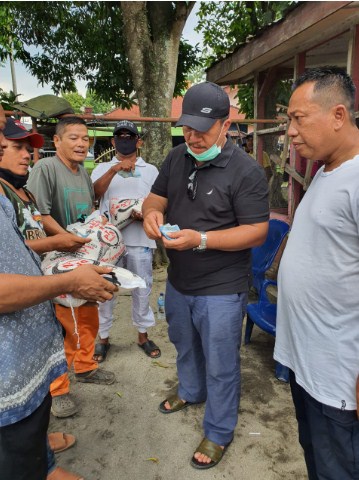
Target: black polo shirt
x,y
232,190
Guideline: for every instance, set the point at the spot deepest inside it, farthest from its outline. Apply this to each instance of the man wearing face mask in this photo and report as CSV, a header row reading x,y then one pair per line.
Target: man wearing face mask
x,y
218,196
127,176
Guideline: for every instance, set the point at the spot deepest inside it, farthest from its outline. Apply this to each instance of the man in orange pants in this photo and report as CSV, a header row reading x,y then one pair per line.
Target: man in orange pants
x,y
64,193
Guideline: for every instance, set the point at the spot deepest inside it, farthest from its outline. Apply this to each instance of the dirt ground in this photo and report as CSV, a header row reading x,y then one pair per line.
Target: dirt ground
x,y
122,435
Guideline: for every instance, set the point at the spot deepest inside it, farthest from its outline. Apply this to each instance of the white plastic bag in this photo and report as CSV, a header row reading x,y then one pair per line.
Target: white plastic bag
x,y
121,211
124,279
105,249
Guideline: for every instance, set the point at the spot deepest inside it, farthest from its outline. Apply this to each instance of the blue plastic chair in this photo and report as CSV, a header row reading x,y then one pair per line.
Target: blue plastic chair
x,y
263,256
263,314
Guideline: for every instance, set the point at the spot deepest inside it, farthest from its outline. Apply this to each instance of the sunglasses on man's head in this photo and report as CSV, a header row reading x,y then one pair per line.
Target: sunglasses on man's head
x,y
126,135
192,184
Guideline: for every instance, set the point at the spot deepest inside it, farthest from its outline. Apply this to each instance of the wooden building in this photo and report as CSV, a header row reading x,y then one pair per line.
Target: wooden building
x,y
312,34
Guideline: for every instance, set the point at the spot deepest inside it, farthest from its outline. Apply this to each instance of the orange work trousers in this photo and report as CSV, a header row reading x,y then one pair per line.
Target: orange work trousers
x,y
87,326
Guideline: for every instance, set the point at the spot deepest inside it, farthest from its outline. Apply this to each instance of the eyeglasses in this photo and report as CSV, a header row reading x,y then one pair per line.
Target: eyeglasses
x,y
125,135
192,184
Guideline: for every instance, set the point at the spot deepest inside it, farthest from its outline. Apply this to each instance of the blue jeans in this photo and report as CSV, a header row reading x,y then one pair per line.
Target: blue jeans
x,y
329,437
206,331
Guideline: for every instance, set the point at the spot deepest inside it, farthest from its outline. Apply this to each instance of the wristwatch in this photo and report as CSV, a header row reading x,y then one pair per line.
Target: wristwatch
x,y
203,245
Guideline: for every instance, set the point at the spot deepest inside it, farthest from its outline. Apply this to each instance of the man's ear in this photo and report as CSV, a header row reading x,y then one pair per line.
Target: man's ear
x,y
139,143
226,125
340,114
56,140
113,142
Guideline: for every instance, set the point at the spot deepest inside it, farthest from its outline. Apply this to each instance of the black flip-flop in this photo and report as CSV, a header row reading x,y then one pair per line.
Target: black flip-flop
x,y
102,350
149,347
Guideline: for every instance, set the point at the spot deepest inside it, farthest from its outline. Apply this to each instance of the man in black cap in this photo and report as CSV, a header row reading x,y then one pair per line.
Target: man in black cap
x,y
218,196
128,177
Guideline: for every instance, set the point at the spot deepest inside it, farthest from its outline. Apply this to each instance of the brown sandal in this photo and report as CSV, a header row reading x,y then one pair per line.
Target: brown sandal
x,y
59,441
60,474
176,404
212,450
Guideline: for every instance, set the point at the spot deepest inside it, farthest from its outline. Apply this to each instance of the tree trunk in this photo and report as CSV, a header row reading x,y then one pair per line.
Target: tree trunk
x,y
153,31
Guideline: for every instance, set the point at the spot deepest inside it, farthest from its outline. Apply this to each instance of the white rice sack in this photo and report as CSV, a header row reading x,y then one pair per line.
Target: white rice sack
x,y
123,278
106,241
121,211
106,247
65,264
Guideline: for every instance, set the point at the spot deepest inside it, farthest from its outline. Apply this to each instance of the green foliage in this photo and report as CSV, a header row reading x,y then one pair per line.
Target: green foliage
x,y
189,61
78,102
283,91
225,25
98,105
8,42
197,74
7,99
245,96
77,40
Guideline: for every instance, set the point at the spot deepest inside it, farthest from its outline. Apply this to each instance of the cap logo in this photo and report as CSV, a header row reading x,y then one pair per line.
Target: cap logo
x,y
206,110
19,124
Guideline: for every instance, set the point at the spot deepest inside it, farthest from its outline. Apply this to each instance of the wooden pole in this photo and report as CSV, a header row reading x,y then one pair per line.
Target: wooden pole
x,y
285,146
103,118
36,150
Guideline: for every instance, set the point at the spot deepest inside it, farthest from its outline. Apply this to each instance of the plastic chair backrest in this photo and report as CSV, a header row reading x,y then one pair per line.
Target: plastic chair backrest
x,y
264,313
263,256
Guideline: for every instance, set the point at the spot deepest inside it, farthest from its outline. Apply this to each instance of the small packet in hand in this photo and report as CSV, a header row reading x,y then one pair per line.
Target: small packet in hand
x,y
131,173
168,228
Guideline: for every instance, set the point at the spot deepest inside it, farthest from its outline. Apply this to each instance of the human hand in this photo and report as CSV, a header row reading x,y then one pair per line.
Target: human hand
x,y
137,216
125,165
68,242
151,224
86,282
182,240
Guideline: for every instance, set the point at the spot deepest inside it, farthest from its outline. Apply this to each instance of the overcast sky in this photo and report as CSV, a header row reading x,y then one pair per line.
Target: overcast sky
x,y
28,86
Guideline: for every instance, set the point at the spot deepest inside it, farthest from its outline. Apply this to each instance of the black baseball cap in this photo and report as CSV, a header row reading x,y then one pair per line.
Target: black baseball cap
x,y
203,105
15,130
126,125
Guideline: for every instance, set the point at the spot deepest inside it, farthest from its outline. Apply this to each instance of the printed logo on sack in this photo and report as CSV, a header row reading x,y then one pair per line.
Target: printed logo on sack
x,y
206,110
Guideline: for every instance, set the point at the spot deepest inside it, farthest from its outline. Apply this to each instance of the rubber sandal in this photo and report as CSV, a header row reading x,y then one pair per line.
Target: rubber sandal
x,y
176,404
98,376
63,406
59,441
60,474
211,450
101,350
149,347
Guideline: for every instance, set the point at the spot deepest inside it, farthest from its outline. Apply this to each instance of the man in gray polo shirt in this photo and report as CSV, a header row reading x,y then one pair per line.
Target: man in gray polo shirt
x,y
218,196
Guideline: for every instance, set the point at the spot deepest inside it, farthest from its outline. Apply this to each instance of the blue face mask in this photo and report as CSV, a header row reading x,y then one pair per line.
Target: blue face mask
x,y
209,154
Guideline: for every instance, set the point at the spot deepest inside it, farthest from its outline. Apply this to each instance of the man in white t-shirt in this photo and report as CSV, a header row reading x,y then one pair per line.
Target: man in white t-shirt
x,y
318,303
127,176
